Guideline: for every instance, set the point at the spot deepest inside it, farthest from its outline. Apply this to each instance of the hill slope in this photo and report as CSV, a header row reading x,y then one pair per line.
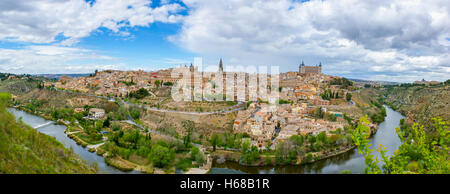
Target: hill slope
x,y
420,103
24,150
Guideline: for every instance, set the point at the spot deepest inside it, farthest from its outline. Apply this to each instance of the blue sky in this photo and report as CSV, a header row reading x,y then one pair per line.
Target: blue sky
x,y
147,46
377,40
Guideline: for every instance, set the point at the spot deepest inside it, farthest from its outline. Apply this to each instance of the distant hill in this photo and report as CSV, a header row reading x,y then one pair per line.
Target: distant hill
x,y
383,83
19,84
57,76
24,150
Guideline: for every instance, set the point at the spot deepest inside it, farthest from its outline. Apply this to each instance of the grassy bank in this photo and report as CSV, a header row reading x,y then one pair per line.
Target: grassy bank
x,y
24,150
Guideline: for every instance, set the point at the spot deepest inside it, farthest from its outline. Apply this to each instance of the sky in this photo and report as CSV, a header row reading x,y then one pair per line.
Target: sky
x,y
384,40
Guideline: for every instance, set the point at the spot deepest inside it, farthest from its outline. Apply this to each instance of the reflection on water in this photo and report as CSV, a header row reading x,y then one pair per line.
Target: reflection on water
x,y
57,131
350,160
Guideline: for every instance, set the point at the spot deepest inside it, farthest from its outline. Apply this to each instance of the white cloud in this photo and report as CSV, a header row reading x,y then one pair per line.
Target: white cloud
x,y
401,40
53,59
41,21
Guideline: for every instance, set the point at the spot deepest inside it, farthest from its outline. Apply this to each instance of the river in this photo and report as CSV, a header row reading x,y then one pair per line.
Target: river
x,y
350,160
57,131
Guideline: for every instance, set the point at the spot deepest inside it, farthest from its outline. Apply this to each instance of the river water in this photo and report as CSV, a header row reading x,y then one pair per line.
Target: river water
x,y
57,131
350,160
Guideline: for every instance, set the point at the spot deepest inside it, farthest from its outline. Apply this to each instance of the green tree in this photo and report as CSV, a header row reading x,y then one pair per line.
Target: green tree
x,y
196,155
318,113
360,137
132,137
115,127
348,96
107,122
110,107
135,113
189,126
160,156
40,85
98,125
213,141
157,83
268,145
250,153
168,84
139,94
297,139
322,137
308,158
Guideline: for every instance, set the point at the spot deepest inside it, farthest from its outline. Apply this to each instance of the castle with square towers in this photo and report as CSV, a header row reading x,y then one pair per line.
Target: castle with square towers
x,y
303,69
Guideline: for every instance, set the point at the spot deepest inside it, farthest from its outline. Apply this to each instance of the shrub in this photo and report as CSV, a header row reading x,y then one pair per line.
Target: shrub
x,y
115,127
161,156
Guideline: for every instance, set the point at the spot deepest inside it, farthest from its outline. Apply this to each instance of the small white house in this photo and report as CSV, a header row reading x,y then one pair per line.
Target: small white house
x,y
97,113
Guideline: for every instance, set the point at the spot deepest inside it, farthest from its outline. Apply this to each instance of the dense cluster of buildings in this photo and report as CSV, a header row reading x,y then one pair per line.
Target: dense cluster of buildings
x,y
119,83
265,125
302,90
113,82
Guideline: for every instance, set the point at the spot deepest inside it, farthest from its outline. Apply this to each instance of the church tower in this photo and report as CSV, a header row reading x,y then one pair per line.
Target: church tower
x,y
220,65
320,68
301,68
191,68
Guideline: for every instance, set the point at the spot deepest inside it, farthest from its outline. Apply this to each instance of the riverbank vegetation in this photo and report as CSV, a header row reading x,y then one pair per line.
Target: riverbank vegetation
x,y
418,154
378,117
24,150
298,149
149,151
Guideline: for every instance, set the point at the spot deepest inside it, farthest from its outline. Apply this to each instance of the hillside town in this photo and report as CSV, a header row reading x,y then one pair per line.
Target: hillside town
x,y
301,92
113,83
301,95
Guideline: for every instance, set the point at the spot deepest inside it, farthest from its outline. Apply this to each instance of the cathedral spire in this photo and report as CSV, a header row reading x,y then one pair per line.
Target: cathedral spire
x,y
301,64
220,65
